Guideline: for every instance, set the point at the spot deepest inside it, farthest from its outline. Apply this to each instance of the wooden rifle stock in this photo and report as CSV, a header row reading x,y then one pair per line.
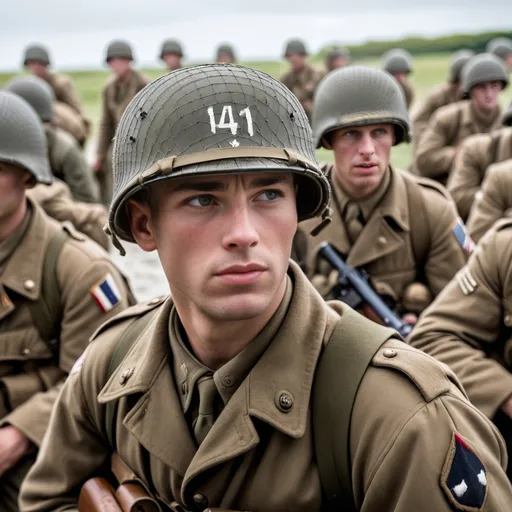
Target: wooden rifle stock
x,y
97,495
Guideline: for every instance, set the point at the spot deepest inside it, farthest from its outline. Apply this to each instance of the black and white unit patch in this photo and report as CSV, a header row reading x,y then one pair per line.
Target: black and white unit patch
x,y
464,477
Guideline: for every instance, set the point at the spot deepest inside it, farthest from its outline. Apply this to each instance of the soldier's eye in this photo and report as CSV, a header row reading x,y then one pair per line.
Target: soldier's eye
x,y
270,195
201,201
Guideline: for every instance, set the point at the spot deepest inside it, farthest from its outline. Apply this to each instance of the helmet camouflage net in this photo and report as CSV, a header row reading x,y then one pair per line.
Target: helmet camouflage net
x,y
212,120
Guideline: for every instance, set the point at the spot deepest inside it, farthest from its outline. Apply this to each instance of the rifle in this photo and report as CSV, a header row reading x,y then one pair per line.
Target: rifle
x,y
355,290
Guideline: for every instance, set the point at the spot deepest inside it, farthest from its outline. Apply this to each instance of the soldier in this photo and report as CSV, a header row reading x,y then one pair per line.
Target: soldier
x,y
439,96
476,154
494,201
502,48
56,201
232,356
507,116
118,92
66,160
483,78
337,57
37,61
398,62
302,78
171,54
56,288
468,328
402,230
225,54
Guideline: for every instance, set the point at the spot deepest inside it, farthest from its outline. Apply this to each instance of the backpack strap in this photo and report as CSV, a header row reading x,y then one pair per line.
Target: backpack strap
x,y
341,367
46,312
129,337
418,219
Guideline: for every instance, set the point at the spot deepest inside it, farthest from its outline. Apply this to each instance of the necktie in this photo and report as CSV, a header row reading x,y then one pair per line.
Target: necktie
x,y
353,221
206,416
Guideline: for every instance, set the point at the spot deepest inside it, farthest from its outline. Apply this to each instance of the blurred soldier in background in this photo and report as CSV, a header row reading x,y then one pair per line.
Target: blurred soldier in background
x,y
502,48
400,229
225,54
66,159
483,78
118,92
37,61
398,62
302,78
440,95
337,57
171,54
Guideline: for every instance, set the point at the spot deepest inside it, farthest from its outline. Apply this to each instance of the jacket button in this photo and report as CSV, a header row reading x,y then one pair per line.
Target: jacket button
x,y
284,401
200,500
29,285
126,375
228,381
389,353
25,351
382,240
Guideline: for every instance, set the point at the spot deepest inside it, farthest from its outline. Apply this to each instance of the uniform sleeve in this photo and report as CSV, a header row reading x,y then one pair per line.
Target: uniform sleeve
x,y
467,174
79,177
81,317
463,325
435,156
107,128
420,118
412,469
72,452
489,206
446,256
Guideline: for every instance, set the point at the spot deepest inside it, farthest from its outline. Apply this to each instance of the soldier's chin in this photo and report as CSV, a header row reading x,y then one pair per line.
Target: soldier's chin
x,y
238,309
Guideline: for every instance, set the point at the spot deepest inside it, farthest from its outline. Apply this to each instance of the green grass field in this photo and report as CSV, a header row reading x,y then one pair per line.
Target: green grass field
x,y
429,70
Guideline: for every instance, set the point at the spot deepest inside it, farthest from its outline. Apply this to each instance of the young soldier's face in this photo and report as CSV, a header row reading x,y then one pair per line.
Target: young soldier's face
x,y
36,68
172,61
224,241
119,66
296,60
361,155
485,95
13,182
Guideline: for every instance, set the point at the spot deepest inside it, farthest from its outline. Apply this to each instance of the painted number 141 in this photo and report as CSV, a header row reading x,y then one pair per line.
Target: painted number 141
x,y
227,120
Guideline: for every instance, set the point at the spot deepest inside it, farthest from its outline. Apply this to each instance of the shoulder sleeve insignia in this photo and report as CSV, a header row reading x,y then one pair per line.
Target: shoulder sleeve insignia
x,y
106,293
466,281
464,477
462,236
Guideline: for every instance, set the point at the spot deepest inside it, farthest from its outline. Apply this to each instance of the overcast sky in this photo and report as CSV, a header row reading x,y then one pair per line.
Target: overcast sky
x,y
77,32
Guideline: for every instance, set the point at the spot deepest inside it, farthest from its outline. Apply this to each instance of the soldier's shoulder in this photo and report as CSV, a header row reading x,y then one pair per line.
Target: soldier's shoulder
x,y
501,169
432,191
142,78
449,112
65,139
79,251
62,80
286,76
503,225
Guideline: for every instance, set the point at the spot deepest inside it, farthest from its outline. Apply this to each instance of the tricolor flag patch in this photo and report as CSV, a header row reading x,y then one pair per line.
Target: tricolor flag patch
x,y
462,236
106,293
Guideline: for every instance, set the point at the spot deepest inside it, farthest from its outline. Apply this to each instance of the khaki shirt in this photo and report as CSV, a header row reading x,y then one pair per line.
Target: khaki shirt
x,y
256,456
468,325
447,128
30,376
69,164
303,84
436,98
384,247
56,201
494,201
117,94
64,90
476,154
68,120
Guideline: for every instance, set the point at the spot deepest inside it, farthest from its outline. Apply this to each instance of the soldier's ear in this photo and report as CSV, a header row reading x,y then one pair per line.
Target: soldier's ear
x,y
29,180
141,225
326,141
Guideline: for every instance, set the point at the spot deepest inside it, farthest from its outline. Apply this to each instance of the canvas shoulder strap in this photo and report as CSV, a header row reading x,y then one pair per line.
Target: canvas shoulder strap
x,y
126,342
46,312
343,363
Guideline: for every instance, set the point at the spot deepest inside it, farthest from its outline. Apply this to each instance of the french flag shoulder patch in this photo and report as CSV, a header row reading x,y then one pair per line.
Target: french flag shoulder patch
x,y
105,293
464,477
462,236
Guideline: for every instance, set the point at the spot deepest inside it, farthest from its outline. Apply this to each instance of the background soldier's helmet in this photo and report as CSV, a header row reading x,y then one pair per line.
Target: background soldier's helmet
x,y
500,46
484,67
226,49
457,61
36,92
36,53
171,46
295,47
334,53
119,50
397,60
359,96
507,116
213,120
22,137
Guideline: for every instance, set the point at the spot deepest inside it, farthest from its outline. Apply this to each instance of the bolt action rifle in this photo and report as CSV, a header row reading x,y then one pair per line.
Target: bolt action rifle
x,y
354,289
